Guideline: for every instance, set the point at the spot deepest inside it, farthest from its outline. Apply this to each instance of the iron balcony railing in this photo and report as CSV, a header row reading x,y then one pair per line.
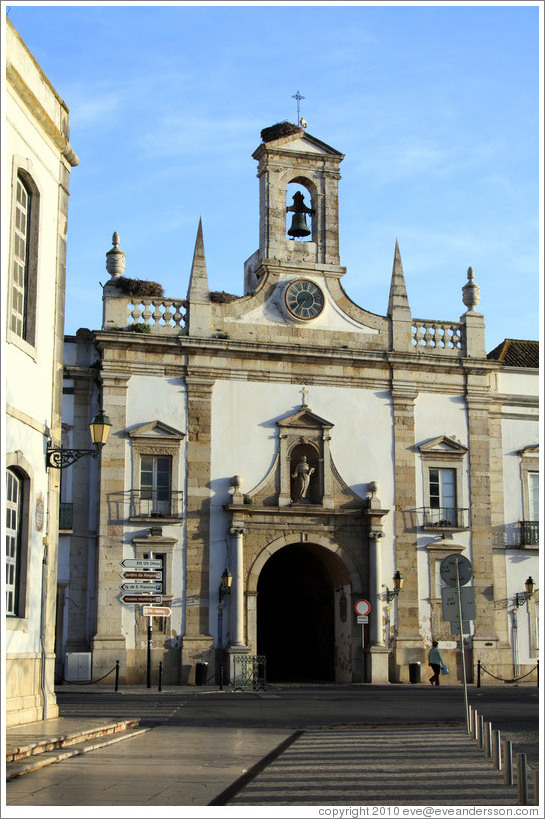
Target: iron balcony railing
x,y
529,532
445,518
160,503
66,515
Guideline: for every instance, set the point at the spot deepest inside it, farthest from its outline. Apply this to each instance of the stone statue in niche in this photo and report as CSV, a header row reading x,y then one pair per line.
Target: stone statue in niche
x,y
302,475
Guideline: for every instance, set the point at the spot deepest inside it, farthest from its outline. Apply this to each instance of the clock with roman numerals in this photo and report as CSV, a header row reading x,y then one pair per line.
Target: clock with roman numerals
x,y
304,299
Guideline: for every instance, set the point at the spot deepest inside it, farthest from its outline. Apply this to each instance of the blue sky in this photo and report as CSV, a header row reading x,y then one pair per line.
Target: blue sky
x,y
436,108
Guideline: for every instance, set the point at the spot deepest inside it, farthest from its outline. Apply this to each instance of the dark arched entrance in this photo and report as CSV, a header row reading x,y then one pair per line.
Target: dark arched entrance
x,y
295,616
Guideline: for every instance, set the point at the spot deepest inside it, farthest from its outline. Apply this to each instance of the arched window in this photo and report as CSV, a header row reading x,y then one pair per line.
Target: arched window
x,y
14,522
299,212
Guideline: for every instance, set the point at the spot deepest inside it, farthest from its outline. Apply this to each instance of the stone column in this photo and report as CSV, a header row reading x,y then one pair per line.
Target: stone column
x,y
197,643
108,644
409,646
485,640
376,651
83,472
237,591
375,582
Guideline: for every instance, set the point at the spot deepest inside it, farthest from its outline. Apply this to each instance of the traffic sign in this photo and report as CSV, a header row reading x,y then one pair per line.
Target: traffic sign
x,y
450,604
141,598
448,569
455,627
145,574
156,611
362,607
152,588
362,618
142,563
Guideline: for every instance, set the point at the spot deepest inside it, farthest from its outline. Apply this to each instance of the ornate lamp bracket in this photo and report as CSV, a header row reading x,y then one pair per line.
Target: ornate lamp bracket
x,y
60,458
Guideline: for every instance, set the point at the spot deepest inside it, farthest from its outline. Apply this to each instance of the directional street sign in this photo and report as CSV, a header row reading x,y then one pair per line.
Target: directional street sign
x,y
145,574
141,598
156,611
450,604
152,588
142,563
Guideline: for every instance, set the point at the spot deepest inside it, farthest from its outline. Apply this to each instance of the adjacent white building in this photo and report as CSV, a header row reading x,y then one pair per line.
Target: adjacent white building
x,y
305,449
38,159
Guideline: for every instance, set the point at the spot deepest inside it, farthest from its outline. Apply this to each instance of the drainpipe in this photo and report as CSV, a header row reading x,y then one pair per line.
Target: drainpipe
x,y
42,631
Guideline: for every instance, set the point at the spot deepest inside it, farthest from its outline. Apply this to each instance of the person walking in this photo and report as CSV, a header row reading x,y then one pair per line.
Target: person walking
x,y
436,661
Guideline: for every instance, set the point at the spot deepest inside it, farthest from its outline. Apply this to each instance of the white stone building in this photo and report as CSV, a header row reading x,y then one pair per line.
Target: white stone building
x,y
38,162
306,448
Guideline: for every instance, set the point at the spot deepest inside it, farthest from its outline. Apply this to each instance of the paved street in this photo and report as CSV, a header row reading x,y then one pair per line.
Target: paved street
x,y
512,709
303,745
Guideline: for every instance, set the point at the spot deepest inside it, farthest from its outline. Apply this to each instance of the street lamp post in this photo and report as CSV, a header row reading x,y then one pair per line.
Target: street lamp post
x,y
225,588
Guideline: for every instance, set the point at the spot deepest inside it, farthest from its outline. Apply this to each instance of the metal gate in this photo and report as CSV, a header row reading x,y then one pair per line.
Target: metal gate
x,y
249,671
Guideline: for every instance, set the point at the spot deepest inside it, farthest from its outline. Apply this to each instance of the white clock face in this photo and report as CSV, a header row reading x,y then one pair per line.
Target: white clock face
x,y
304,299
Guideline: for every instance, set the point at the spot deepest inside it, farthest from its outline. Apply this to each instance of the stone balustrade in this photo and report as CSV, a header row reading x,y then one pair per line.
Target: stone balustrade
x,y
159,313
440,336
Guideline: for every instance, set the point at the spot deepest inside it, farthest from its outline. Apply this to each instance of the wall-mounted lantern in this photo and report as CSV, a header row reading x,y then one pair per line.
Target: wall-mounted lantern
x,y
59,458
523,597
398,585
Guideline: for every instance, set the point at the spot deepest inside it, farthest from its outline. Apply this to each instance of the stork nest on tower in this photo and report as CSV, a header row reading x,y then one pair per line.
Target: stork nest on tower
x,y
138,287
280,130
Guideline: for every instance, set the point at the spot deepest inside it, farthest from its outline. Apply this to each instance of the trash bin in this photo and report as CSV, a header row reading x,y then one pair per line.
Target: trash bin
x,y
201,674
414,673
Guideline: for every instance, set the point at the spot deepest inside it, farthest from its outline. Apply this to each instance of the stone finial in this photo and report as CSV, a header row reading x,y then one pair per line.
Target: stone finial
x,y
471,293
115,258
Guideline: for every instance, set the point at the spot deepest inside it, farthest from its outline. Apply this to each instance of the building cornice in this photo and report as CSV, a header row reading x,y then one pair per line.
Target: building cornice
x,y
39,113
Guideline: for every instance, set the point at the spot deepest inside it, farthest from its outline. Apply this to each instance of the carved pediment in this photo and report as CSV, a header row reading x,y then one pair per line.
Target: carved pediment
x,y
306,419
443,447
157,430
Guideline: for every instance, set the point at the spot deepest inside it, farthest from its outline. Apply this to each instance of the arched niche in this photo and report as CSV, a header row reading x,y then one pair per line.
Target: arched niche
x,y
301,194
305,434
305,466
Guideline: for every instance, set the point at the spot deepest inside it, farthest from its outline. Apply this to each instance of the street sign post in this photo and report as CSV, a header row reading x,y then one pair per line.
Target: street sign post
x,y
145,574
142,563
156,611
455,566
152,588
141,598
450,604
362,607
456,570
455,627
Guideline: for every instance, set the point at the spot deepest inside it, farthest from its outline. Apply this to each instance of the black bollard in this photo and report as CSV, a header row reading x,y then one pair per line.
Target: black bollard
x,y
160,675
478,673
116,675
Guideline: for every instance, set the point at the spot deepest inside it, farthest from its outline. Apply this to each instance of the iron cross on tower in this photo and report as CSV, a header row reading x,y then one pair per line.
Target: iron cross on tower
x,y
297,96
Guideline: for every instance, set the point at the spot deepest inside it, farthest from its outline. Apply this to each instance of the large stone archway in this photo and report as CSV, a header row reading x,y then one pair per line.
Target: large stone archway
x,y
298,611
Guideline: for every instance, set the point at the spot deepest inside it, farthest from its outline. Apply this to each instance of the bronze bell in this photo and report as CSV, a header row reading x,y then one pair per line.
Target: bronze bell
x,y
299,225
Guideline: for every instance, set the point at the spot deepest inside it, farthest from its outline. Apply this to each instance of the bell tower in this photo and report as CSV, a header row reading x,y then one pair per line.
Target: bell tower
x,y
301,230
